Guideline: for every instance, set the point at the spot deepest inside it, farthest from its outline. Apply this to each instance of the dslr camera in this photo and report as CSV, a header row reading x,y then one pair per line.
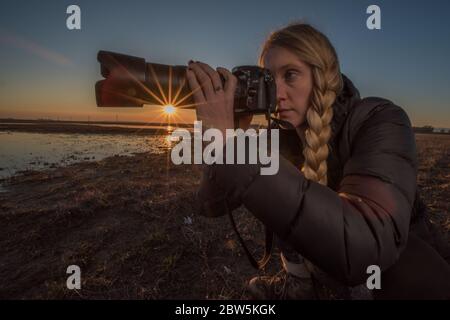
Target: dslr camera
x,y
132,82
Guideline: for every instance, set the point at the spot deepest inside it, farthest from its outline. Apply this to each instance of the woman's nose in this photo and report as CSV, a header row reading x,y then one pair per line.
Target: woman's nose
x,y
281,91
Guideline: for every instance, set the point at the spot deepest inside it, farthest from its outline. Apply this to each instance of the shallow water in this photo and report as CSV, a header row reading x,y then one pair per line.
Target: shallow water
x,y
23,151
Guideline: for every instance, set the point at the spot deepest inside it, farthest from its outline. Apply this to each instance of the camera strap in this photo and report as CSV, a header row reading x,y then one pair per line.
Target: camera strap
x,y
268,233
267,250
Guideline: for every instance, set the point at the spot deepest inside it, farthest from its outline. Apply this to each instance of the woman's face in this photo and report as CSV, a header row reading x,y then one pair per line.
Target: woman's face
x,y
294,84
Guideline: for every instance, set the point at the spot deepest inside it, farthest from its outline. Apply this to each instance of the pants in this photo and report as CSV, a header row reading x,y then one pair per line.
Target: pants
x,y
420,273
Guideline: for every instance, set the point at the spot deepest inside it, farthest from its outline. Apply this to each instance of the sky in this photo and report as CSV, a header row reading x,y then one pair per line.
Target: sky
x,y
48,71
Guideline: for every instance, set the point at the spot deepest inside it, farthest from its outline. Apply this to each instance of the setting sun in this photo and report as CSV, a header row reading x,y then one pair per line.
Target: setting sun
x,y
169,109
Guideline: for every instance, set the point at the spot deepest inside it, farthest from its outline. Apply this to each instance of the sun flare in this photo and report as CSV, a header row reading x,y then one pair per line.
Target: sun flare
x,y
169,109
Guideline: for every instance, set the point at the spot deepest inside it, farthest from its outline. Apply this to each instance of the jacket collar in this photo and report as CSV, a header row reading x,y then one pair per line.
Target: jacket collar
x,y
343,104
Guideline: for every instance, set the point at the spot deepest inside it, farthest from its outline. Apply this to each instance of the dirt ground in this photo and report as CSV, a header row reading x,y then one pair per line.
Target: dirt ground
x,y
130,224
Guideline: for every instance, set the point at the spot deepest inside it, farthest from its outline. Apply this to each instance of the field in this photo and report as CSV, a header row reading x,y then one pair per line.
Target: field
x,y
130,224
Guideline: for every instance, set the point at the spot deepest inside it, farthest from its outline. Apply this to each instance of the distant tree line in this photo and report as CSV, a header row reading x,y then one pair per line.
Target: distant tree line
x,y
424,129
430,129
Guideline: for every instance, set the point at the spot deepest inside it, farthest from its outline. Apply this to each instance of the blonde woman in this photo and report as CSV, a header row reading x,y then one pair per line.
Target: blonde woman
x,y
345,196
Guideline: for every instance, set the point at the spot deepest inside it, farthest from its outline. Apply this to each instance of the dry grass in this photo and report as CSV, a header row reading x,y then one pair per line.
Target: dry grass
x,y
126,223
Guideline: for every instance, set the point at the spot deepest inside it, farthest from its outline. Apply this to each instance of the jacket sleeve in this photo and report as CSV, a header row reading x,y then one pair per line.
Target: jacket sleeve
x,y
365,222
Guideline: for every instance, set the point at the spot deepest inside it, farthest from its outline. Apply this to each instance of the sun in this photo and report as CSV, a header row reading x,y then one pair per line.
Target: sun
x,y
169,109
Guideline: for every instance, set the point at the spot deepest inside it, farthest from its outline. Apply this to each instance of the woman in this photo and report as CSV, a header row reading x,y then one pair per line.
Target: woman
x,y
345,196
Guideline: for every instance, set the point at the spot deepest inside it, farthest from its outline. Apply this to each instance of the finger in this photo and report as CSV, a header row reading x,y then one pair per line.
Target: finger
x,y
214,76
230,81
195,87
203,79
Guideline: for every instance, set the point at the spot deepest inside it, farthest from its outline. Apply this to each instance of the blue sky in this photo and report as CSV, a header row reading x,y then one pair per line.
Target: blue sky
x,y
50,71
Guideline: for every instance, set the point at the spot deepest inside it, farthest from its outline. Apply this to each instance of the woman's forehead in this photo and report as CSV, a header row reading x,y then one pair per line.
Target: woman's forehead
x,y
277,58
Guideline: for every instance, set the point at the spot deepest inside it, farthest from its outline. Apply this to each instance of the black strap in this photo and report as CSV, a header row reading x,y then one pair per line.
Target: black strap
x,y
269,234
267,250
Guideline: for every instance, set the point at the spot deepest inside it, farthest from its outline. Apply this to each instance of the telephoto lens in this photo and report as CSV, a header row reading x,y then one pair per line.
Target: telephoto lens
x,y
133,82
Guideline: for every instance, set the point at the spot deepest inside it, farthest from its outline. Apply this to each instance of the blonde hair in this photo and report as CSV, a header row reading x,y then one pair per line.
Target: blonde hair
x,y
314,49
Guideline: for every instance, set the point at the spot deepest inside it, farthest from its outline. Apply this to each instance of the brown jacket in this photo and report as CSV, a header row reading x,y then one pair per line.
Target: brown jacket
x,y
361,218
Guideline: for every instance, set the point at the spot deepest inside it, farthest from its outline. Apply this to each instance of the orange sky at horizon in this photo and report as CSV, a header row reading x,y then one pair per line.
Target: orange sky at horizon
x,y
150,114
145,114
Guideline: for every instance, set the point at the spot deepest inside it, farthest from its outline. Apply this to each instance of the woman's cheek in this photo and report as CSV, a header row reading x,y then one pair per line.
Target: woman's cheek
x,y
301,109
301,116
302,102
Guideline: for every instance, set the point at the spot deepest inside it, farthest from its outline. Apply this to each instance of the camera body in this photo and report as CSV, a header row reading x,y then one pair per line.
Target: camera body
x,y
133,82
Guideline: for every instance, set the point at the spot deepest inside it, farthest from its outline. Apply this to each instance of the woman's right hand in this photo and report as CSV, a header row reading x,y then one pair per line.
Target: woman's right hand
x,y
214,101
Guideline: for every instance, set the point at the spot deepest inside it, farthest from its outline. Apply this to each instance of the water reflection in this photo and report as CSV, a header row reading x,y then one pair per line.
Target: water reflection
x,y
22,151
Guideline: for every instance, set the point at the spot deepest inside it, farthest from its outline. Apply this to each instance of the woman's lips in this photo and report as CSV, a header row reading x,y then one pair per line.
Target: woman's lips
x,y
281,111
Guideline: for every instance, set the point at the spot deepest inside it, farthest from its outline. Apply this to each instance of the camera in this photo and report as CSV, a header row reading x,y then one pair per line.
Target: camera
x,y
132,82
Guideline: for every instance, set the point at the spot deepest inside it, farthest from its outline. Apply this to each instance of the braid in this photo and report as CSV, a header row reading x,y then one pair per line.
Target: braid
x,y
318,133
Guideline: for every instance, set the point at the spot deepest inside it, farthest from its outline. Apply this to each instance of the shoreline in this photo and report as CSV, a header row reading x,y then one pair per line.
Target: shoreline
x,y
106,127
129,123
80,129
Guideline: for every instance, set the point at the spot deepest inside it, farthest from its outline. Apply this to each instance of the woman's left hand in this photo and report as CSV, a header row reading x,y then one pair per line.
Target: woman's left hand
x,y
214,100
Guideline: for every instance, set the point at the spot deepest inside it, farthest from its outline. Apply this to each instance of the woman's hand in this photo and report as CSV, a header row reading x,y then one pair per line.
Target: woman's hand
x,y
214,101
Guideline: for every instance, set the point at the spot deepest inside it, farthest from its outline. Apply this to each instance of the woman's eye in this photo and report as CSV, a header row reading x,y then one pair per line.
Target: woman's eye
x,y
290,75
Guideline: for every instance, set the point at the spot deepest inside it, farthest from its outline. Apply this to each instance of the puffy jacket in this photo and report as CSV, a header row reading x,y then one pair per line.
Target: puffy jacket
x,y
361,218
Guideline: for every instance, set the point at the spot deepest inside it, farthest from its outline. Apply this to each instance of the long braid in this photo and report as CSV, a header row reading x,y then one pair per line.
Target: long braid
x,y
318,133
